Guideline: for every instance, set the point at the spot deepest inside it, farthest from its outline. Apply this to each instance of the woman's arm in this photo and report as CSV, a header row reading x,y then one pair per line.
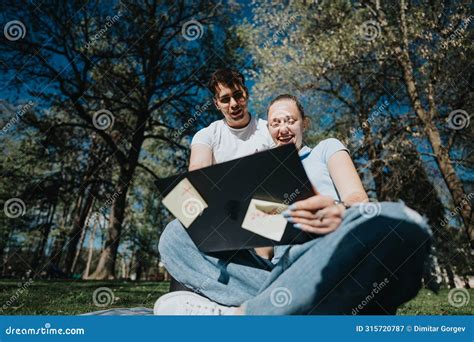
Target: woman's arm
x,y
345,177
319,214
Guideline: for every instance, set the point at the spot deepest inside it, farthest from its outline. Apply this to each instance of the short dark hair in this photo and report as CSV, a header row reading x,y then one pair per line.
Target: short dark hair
x,y
291,98
228,77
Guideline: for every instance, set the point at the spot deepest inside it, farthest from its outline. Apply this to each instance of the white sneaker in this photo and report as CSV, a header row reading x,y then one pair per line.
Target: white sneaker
x,y
183,303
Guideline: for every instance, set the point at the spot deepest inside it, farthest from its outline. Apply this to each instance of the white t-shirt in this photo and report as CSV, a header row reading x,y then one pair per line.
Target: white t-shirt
x,y
229,143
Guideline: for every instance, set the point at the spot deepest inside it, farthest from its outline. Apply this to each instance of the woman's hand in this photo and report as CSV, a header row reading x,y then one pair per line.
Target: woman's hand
x,y
317,214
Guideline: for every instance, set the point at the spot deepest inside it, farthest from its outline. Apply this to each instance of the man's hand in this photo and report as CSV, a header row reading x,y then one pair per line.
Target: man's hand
x,y
317,214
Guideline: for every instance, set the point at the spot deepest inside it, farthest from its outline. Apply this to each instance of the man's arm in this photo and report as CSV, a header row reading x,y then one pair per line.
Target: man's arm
x,y
201,156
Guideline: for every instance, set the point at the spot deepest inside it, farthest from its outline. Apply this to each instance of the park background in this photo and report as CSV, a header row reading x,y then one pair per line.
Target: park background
x,y
99,98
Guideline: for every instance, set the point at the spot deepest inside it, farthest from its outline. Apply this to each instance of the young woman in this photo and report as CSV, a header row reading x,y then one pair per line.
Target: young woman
x,y
328,165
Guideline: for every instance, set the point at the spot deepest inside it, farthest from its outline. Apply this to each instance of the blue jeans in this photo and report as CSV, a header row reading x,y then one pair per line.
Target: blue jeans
x,y
370,264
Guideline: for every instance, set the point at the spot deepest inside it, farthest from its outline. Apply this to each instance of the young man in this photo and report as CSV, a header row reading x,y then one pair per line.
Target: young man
x,y
238,134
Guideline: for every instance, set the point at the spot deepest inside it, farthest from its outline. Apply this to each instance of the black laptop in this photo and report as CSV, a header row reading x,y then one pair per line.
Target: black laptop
x,y
275,175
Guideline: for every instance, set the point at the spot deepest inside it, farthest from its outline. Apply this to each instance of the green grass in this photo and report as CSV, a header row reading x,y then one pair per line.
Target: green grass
x,y
74,297
429,303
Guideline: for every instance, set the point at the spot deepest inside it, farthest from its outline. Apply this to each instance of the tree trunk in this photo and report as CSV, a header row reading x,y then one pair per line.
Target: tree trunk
x,y
460,198
91,250
81,240
58,247
106,266
60,241
450,275
83,207
46,229
131,262
139,266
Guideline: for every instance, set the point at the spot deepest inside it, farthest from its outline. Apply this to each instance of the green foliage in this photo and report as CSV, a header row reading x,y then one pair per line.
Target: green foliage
x,y
342,59
132,61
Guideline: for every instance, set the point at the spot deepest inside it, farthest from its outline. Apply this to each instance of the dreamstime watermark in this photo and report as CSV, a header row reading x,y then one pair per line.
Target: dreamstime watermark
x,y
289,198
377,287
458,119
370,209
369,30
192,30
14,30
192,207
457,210
109,201
23,287
458,297
110,21
458,33
280,297
199,110
17,115
103,296
95,216
103,119
46,330
14,207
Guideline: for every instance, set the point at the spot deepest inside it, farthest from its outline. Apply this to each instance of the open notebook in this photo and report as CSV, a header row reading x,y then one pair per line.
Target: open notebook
x,y
238,204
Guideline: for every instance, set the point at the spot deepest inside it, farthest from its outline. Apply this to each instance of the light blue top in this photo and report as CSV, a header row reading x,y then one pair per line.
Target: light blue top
x,y
315,162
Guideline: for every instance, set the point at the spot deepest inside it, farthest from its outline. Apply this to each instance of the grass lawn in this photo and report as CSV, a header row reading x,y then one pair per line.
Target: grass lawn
x,y
74,297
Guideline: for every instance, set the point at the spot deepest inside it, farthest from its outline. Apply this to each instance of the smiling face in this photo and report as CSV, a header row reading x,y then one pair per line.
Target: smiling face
x,y
285,123
232,102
